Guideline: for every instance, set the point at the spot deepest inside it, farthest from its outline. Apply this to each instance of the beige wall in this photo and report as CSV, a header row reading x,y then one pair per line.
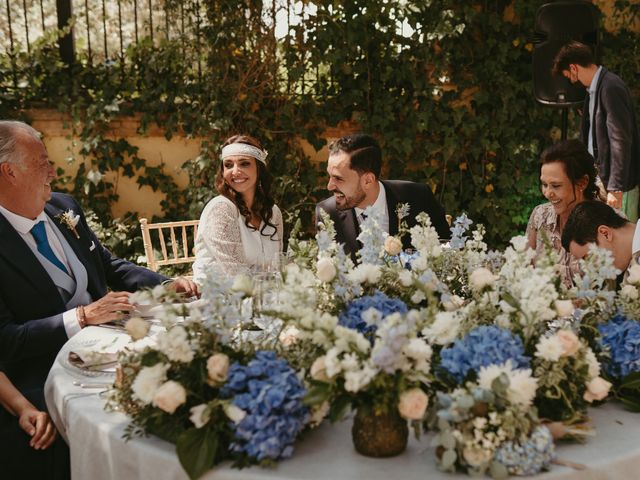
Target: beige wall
x,y
63,150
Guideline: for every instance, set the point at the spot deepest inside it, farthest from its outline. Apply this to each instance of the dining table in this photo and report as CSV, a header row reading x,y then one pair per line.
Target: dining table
x,y
77,399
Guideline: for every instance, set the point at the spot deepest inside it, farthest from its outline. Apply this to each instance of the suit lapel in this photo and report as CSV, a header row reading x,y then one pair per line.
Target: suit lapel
x,y
392,202
350,228
76,244
16,252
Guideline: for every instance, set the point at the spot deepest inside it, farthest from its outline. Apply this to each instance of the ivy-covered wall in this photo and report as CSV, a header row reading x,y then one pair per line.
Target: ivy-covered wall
x,y
449,96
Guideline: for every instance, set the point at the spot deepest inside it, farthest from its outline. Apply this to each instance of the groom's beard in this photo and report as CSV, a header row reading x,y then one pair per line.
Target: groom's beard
x,y
344,202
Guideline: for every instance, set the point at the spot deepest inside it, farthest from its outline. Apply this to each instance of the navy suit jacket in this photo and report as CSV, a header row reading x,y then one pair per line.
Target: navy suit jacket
x,y
616,137
419,197
31,326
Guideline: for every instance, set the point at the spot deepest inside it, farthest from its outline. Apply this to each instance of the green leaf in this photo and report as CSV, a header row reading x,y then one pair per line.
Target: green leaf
x,y
196,450
317,394
339,408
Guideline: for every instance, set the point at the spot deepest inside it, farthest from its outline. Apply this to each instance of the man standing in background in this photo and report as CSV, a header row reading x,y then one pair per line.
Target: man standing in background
x,y
609,127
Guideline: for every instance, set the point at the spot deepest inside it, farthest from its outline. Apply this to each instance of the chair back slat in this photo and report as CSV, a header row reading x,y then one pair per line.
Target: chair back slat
x,y
175,247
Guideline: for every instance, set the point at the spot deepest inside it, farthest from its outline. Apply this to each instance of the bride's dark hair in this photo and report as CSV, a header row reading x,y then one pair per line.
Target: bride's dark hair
x,y
263,201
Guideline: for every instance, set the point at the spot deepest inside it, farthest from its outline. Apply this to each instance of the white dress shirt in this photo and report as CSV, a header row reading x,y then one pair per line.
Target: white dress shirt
x,y
380,206
23,226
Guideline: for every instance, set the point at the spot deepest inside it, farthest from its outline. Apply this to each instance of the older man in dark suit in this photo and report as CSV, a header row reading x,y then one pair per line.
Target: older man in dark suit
x,y
609,128
55,280
354,170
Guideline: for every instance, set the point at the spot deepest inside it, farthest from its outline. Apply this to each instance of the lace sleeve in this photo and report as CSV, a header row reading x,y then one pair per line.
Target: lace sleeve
x,y
220,235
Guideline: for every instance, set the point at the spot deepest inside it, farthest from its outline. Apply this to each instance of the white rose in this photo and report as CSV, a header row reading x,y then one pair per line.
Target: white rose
x,y
417,349
444,330
218,367
629,292
197,416
137,328
319,370
289,336
597,389
481,278
392,245
570,342
148,381
170,396
242,283
235,414
634,274
520,243
564,308
325,270
413,404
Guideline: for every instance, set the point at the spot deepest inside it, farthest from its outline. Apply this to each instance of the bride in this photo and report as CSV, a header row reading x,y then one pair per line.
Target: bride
x,y
240,229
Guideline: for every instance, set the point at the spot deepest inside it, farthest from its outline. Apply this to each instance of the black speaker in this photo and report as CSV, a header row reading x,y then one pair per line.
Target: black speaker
x,y
556,24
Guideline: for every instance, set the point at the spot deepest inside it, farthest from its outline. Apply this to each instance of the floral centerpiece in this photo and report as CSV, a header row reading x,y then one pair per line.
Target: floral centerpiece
x,y
214,396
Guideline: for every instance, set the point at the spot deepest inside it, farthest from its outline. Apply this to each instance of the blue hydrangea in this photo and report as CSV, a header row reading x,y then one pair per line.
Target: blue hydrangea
x,y
351,316
271,394
621,337
530,457
487,345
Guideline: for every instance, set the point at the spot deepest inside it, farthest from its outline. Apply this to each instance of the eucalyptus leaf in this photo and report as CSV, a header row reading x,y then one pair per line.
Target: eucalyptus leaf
x,y
448,459
498,470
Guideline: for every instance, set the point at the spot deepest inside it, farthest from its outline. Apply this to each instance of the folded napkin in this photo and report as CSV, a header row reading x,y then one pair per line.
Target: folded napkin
x,y
92,360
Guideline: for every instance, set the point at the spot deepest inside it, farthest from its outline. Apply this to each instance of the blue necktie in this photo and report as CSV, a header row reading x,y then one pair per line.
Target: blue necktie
x,y
40,234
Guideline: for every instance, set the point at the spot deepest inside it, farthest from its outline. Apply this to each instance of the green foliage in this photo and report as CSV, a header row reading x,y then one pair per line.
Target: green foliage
x,y
449,95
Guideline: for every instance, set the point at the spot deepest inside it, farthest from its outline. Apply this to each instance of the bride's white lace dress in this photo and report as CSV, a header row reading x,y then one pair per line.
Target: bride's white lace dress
x,y
227,245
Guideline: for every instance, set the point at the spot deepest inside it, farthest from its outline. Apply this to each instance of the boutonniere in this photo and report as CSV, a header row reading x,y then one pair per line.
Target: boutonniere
x,y
69,219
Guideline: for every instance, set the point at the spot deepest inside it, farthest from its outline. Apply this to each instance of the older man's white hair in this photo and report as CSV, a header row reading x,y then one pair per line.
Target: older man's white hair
x,y
10,130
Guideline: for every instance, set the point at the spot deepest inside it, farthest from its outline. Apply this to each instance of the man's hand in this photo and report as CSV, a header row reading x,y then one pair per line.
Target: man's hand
x,y
110,307
184,285
39,425
614,199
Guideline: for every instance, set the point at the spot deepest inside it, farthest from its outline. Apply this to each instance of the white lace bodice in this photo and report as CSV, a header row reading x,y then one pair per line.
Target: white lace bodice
x,y
226,244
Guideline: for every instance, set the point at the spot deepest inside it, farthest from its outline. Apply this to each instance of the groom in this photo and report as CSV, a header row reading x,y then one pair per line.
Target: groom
x,y
354,171
54,281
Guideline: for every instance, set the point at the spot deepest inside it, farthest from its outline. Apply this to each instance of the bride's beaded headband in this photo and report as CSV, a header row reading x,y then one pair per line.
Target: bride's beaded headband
x,y
244,150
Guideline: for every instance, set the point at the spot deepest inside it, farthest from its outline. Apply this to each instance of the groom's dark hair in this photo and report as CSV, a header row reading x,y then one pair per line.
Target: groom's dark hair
x,y
583,222
364,152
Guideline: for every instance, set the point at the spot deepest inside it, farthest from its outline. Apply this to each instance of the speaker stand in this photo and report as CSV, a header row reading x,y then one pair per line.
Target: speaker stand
x,y
565,123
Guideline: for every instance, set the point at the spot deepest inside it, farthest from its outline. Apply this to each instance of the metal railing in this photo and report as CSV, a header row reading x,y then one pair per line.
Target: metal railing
x,y
102,30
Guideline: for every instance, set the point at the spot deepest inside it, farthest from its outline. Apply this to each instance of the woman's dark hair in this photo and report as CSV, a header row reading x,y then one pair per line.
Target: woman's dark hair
x,y
577,162
263,201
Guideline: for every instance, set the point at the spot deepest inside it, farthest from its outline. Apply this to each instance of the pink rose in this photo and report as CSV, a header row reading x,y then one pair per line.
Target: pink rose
x,y
597,389
413,404
170,396
570,343
319,370
218,367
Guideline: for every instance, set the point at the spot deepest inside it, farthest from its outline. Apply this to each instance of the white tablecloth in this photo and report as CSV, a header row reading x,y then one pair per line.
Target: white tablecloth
x,y
98,451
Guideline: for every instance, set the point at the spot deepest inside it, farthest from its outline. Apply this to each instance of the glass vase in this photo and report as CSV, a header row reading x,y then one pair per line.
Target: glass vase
x,y
379,435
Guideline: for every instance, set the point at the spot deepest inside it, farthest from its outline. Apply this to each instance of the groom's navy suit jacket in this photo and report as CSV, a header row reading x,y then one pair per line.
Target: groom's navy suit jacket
x,y
419,197
31,307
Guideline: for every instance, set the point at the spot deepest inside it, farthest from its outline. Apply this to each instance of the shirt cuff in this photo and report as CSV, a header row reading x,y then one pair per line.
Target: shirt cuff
x,y
70,320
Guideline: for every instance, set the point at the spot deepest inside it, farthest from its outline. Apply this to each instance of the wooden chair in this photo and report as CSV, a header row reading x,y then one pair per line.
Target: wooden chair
x,y
176,241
